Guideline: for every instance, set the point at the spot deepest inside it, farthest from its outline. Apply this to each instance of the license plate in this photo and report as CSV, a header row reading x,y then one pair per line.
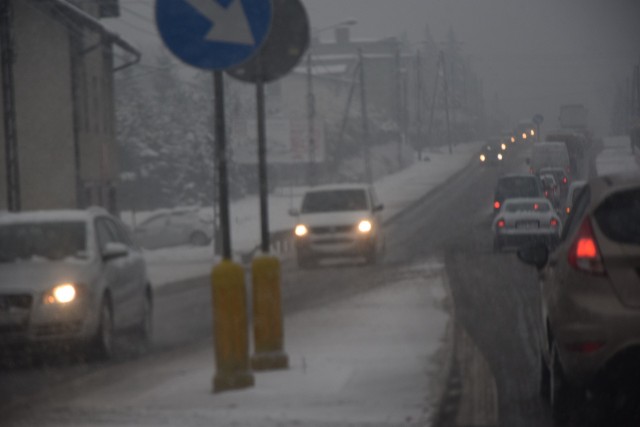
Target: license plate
x,y
527,224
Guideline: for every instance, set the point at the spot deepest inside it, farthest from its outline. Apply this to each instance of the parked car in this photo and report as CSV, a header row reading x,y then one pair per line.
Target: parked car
x,y
337,221
173,228
516,185
523,220
590,293
572,194
70,277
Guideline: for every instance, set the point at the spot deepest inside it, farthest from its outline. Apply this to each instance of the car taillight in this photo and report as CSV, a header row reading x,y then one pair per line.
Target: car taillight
x,y
501,223
564,179
496,205
546,193
553,222
584,254
568,210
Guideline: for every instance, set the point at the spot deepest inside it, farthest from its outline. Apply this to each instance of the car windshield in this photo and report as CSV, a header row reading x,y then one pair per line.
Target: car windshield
x,y
539,206
517,186
334,201
52,241
319,213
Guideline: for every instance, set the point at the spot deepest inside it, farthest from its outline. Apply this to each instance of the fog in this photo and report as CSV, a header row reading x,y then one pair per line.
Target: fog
x,y
532,55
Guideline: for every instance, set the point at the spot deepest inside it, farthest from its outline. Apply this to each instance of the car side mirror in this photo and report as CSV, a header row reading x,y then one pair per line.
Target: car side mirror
x,y
294,212
378,208
536,254
114,250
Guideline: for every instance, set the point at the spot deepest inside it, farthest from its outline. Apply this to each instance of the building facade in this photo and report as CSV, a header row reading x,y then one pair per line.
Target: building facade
x,y
57,133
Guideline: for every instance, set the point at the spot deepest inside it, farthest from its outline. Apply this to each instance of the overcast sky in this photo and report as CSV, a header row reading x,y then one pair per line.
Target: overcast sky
x,y
533,55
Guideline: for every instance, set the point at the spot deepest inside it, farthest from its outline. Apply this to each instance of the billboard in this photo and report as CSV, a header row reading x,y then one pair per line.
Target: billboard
x,y
287,141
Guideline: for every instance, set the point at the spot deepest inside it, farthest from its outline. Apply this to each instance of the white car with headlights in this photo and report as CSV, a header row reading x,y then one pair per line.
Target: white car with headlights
x,y
523,220
70,277
337,221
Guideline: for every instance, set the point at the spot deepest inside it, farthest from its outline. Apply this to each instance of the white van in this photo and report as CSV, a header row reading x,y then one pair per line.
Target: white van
x,y
549,154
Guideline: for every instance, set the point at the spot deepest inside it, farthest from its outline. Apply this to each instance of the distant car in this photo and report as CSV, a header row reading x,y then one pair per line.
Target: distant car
x,y
551,189
336,221
174,227
525,131
560,176
492,153
516,185
549,155
523,220
572,195
590,295
70,277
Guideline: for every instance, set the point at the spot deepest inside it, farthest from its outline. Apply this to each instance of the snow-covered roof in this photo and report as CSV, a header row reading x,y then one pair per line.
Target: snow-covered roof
x,y
46,216
343,186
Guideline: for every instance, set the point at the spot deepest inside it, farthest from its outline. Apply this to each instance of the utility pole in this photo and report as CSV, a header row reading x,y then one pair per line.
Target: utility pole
x,y
311,116
419,142
446,100
398,106
7,58
365,123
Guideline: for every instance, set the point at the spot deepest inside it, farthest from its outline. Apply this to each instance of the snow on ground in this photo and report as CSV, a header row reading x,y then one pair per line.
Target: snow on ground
x,y
397,191
616,157
371,359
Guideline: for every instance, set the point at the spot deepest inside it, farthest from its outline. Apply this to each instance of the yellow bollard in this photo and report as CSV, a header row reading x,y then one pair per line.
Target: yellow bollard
x,y
267,315
231,339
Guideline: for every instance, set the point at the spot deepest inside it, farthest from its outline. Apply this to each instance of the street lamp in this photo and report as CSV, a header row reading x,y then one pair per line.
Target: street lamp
x,y
311,104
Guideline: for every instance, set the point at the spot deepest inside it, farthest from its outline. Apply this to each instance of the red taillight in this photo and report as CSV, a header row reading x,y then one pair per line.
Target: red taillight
x,y
584,254
496,205
546,193
501,223
554,222
568,210
564,179
585,347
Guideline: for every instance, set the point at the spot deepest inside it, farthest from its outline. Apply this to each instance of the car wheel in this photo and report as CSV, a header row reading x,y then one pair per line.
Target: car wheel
x,y
102,344
561,395
306,262
199,239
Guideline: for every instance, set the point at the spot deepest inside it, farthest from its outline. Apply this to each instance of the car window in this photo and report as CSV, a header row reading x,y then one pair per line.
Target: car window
x,y
619,217
575,217
47,240
517,186
106,233
541,206
156,222
334,201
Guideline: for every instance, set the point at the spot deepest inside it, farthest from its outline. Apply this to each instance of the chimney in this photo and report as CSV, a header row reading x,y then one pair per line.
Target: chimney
x,y
343,35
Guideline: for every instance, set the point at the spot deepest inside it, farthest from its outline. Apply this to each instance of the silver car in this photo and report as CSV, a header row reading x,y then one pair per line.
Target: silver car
x,y
523,220
590,289
72,277
174,227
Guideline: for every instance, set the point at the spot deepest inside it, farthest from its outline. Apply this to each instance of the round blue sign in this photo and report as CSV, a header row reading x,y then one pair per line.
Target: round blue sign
x,y
213,34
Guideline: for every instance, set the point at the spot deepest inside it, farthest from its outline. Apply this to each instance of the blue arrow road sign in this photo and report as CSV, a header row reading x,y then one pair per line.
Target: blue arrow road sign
x,y
213,34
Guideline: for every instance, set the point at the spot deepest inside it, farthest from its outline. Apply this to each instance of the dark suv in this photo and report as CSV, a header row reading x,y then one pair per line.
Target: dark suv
x,y
512,186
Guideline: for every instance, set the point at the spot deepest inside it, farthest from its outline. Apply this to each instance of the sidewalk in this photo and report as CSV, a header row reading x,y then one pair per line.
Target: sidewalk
x,y
616,157
397,191
374,359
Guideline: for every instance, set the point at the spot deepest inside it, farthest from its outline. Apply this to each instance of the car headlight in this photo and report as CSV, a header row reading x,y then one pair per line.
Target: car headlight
x,y
364,226
482,158
61,294
301,230
499,156
503,146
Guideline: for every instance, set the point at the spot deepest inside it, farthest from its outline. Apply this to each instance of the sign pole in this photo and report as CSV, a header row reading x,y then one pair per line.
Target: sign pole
x,y
221,156
262,168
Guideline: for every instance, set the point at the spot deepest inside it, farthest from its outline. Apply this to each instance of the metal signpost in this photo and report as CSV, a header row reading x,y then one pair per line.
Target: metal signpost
x,y
217,35
538,119
281,52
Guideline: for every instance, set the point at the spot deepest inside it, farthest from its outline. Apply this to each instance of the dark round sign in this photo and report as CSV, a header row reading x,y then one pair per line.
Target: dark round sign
x,y
285,44
538,119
